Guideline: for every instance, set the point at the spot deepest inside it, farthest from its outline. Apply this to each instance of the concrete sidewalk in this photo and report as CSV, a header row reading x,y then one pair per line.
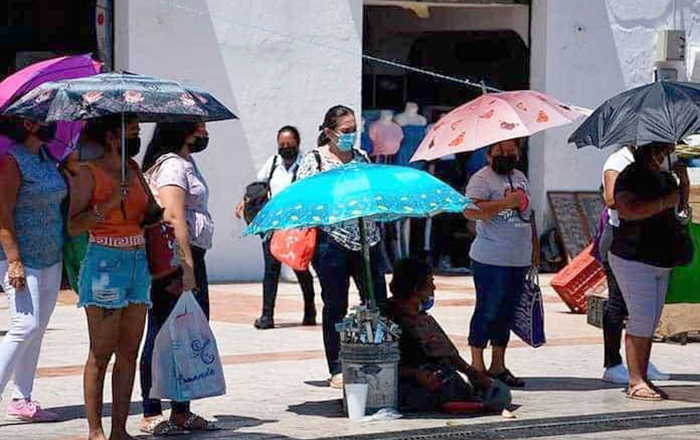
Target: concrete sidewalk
x,y
277,379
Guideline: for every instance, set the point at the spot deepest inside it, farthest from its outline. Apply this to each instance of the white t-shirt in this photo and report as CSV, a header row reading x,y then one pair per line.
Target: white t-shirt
x,y
617,161
281,177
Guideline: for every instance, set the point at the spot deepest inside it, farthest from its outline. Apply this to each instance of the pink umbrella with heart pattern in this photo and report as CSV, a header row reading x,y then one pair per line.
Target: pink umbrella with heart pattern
x,y
492,118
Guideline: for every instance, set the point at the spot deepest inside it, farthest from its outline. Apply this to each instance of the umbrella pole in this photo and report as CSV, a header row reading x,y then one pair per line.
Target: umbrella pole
x,y
366,266
123,159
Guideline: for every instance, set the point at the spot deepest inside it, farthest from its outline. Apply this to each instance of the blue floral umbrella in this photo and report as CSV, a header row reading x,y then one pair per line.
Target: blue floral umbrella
x,y
358,192
152,99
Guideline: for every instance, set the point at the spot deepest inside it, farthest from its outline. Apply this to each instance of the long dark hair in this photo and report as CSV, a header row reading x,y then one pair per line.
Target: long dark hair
x,y
96,129
168,137
13,128
331,121
409,275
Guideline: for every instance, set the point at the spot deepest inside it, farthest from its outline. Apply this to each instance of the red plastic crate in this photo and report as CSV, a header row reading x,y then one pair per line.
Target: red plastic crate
x,y
583,276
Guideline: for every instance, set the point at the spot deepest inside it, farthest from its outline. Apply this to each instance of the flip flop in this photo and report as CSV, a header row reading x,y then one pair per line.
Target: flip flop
x,y
161,427
507,378
642,391
659,391
204,424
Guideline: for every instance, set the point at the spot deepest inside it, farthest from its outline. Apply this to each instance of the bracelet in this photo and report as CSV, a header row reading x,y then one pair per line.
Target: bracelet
x,y
99,214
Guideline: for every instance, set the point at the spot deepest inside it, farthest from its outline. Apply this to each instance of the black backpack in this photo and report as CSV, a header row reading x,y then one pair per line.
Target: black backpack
x,y
257,194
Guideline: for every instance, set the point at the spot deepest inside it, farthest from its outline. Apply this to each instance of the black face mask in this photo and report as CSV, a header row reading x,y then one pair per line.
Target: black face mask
x,y
200,144
46,133
504,164
133,146
289,154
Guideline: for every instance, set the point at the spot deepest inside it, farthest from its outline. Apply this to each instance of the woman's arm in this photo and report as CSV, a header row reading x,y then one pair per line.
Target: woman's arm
x,y
10,180
631,207
490,209
172,198
81,214
610,177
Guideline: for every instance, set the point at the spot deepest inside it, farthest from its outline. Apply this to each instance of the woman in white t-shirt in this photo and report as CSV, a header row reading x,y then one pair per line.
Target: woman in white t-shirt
x,y
615,308
280,171
181,190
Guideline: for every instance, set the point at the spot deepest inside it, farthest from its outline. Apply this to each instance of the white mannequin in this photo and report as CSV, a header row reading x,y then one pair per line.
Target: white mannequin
x,y
386,116
410,116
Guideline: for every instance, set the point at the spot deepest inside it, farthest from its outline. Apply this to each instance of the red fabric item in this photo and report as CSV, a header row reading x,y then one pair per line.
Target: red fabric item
x,y
294,247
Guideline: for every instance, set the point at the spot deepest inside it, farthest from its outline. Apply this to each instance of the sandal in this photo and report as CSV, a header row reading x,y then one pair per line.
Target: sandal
x,y
197,423
161,427
642,391
507,378
659,391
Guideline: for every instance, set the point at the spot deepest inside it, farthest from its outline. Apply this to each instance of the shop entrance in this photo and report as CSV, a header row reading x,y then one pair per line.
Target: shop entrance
x,y
35,30
460,39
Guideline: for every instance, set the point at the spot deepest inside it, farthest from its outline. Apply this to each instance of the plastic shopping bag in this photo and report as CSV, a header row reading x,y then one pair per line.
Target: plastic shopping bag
x,y
186,364
528,322
294,247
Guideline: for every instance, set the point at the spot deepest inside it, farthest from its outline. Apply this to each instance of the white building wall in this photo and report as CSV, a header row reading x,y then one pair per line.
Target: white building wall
x,y
273,62
584,52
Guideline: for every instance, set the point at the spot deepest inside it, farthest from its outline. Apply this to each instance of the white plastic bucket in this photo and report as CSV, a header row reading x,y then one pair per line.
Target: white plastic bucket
x,y
356,393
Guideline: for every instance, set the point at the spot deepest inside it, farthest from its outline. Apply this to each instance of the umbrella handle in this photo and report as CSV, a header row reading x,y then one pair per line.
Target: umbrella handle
x,y
366,265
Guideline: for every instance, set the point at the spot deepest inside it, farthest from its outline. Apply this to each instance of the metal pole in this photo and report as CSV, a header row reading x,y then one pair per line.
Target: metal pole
x,y
366,266
122,136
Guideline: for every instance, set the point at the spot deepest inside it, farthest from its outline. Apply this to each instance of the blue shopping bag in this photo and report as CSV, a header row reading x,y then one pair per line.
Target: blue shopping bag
x,y
186,363
528,322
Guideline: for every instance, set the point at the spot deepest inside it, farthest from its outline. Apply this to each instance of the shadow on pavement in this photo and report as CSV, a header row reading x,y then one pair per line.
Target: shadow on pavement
x,y
683,393
566,384
317,383
686,377
325,408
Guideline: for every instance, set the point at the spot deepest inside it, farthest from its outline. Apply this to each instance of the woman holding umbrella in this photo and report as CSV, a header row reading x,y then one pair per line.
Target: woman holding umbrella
x,y
115,280
649,243
31,238
338,252
506,246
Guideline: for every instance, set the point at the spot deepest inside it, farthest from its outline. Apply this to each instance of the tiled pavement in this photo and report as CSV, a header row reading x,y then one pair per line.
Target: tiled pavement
x,y
277,390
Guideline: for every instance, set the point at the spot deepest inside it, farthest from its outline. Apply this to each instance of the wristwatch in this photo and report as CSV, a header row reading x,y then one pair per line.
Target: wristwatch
x,y
99,214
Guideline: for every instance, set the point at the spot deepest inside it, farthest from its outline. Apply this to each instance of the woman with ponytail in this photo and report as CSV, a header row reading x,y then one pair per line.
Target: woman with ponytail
x,y
338,254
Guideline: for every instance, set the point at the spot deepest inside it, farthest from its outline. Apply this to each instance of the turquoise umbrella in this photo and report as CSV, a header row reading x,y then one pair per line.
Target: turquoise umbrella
x,y
358,192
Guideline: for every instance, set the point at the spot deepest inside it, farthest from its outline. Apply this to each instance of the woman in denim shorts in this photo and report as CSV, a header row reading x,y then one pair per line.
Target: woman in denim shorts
x,y
114,282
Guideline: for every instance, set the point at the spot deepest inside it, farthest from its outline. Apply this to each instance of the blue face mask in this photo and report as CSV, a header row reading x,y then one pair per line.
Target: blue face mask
x,y
428,304
346,141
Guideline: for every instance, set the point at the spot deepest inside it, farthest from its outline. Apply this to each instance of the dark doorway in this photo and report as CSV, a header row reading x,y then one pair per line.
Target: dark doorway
x,y
33,30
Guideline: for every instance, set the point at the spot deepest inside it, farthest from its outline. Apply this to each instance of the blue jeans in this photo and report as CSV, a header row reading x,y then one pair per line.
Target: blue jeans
x,y
335,265
498,290
113,278
163,303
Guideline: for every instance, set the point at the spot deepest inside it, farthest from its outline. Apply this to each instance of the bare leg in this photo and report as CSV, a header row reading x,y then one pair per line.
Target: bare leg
x,y
103,329
130,333
638,350
478,359
498,360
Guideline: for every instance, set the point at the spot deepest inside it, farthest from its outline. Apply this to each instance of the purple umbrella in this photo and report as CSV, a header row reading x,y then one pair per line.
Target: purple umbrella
x,y
25,80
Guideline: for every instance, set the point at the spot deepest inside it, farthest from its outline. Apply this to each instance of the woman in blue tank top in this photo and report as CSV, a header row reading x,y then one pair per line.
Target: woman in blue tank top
x,y
31,243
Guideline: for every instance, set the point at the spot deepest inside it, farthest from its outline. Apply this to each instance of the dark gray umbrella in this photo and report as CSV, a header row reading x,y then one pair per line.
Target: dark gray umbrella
x,y
151,99
661,112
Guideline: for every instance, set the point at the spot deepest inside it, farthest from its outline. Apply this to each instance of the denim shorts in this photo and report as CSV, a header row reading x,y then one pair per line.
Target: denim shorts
x,y
113,278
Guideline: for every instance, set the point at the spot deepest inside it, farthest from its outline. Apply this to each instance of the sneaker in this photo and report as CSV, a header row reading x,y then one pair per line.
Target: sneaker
x,y
617,375
29,411
336,381
264,323
653,373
